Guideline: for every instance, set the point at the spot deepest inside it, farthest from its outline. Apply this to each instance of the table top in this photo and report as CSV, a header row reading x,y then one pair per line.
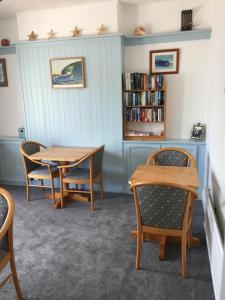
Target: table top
x,y
178,175
63,154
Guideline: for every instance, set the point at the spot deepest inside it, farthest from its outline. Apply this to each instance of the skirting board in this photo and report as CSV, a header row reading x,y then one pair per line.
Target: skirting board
x,y
214,244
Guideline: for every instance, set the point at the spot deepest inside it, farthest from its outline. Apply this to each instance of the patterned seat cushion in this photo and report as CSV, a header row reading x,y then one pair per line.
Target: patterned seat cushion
x,y
42,170
2,254
172,158
79,173
3,215
161,206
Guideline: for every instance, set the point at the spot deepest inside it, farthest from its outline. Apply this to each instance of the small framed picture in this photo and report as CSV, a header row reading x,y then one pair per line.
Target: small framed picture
x,y
198,132
3,73
164,61
67,72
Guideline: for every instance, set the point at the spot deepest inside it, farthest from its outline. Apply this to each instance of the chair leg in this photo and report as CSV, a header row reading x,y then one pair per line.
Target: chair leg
x,y
28,190
138,250
42,185
53,190
101,186
15,278
184,254
162,247
92,195
61,193
189,236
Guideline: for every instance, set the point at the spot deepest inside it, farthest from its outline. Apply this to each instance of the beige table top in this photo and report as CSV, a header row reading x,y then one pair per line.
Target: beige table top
x,y
72,154
178,175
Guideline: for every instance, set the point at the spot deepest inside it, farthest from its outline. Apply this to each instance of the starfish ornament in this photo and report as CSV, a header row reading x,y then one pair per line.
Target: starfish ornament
x,y
32,36
102,29
76,32
51,34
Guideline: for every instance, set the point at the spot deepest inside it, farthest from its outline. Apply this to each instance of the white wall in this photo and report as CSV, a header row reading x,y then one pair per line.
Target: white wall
x,y
9,30
216,113
163,15
186,91
62,20
11,105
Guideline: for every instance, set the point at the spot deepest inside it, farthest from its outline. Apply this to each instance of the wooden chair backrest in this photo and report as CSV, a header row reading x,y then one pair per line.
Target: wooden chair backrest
x,y
7,210
96,161
157,204
171,156
27,148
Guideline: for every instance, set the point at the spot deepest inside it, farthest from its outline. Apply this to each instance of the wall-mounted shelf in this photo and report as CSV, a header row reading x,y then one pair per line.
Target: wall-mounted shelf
x,y
8,50
166,37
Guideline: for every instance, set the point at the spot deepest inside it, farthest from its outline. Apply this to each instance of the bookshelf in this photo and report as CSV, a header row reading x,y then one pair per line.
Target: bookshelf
x,y
144,107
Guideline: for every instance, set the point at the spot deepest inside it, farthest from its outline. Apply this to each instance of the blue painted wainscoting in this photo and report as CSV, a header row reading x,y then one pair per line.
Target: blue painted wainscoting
x,y
136,153
89,116
11,165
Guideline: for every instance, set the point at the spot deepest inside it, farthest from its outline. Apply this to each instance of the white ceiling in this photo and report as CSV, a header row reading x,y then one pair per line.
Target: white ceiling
x,y
8,8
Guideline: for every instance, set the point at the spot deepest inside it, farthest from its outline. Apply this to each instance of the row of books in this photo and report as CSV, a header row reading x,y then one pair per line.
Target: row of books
x,y
144,114
143,133
142,81
144,98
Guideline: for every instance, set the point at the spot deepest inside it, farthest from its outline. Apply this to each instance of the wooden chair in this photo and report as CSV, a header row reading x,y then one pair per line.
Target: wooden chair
x,y
171,156
73,174
37,170
7,209
163,210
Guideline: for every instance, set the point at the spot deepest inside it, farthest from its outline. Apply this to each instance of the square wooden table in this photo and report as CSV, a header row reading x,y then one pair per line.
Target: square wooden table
x,y
179,175
64,155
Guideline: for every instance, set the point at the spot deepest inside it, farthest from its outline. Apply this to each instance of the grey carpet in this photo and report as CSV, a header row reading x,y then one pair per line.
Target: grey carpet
x,y
75,253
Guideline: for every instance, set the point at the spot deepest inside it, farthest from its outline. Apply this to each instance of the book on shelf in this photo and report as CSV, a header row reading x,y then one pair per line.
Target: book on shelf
x,y
136,114
142,81
143,133
151,98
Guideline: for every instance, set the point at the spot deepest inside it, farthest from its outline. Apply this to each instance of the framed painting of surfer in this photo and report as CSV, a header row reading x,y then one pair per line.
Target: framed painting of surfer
x,y
67,72
164,61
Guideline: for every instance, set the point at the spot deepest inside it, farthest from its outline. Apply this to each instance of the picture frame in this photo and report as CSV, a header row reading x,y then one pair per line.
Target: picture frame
x,y
67,72
164,61
198,132
3,73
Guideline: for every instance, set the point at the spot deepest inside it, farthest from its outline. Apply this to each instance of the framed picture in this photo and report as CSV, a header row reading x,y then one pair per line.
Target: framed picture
x,y
67,72
198,132
3,73
164,61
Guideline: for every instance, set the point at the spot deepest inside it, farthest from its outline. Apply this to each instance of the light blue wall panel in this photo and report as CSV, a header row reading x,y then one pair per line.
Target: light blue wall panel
x,y
11,165
76,117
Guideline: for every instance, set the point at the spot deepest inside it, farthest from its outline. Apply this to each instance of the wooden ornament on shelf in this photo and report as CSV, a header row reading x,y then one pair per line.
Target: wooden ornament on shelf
x,y
102,29
32,36
51,34
76,32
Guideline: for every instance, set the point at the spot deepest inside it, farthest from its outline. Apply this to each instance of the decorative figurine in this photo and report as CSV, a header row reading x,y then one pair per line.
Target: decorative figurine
x,y
139,31
102,29
76,32
5,42
32,36
51,34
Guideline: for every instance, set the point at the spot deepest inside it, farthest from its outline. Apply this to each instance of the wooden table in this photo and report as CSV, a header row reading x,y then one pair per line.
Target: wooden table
x,y
64,155
168,174
180,175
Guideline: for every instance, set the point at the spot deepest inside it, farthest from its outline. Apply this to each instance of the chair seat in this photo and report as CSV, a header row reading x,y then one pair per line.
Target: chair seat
x,y
42,171
79,173
2,254
52,163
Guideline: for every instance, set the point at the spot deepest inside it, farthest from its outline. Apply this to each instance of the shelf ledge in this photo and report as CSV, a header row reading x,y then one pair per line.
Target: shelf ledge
x,y
8,50
166,37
